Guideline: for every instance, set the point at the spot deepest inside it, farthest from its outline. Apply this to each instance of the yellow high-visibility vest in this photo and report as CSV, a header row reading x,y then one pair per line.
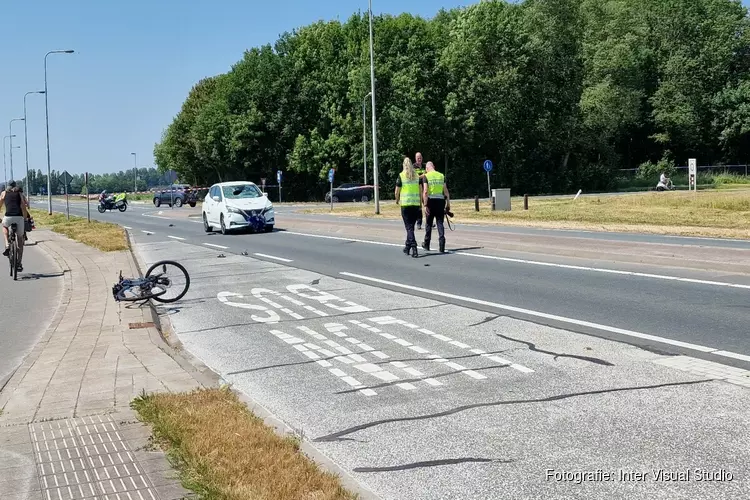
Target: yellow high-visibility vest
x,y
409,191
435,183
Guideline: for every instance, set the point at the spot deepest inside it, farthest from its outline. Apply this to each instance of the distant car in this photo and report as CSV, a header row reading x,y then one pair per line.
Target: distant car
x,y
237,205
351,192
180,193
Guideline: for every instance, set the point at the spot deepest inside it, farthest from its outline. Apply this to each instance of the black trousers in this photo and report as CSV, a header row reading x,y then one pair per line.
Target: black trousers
x,y
410,216
437,213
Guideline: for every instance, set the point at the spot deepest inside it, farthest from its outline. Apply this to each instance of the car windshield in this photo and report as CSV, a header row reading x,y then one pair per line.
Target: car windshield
x,y
240,191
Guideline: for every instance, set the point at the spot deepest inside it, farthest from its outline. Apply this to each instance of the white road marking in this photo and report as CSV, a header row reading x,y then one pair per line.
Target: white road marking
x,y
554,317
176,238
215,246
147,232
272,257
545,264
127,227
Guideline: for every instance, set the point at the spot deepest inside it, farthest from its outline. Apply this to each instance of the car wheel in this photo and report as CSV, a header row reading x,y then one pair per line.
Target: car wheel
x,y
206,226
192,204
335,199
157,202
269,228
223,226
178,202
365,199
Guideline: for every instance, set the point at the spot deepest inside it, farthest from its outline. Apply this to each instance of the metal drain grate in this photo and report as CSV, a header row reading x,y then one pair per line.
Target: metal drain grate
x,y
137,326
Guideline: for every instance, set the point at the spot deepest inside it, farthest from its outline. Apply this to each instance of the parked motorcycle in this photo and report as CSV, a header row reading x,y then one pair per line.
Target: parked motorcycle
x,y
118,202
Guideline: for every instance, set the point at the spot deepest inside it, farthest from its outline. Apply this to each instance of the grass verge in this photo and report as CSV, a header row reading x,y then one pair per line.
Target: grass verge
x,y
101,235
705,213
223,451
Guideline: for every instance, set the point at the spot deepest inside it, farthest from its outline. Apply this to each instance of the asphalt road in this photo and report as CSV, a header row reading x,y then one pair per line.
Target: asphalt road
x,y
27,305
425,400
706,315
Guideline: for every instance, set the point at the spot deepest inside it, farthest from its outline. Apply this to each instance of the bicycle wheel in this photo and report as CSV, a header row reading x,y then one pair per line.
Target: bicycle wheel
x,y
180,282
14,259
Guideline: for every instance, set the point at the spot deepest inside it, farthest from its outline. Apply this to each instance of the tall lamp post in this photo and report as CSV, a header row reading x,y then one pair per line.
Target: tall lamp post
x,y
46,119
5,165
135,172
364,133
374,123
10,132
26,137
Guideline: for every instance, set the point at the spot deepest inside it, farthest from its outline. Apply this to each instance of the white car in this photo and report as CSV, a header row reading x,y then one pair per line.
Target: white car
x,y
232,205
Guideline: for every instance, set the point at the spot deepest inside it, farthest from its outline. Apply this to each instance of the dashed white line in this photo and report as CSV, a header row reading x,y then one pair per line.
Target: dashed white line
x,y
127,227
147,232
215,246
544,264
176,238
281,259
553,317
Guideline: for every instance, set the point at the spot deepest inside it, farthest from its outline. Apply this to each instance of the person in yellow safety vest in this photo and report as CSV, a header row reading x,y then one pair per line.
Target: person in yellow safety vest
x,y
437,200
409,197
419,168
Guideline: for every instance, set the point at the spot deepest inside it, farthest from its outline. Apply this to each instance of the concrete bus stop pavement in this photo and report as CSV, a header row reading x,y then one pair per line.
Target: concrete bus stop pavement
x,y
422,399
66,428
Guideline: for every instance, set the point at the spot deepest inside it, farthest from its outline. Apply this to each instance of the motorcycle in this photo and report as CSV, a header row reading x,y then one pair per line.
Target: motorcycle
x,y
118,202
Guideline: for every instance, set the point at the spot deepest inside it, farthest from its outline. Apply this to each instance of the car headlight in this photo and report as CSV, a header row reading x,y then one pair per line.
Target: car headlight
x,y
234,210
267,209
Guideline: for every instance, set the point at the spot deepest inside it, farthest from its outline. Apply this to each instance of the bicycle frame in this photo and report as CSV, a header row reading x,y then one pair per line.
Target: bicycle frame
x,y
124,285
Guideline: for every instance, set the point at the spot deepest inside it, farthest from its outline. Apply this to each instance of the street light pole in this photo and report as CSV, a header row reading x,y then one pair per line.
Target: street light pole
x,y
135,173
364,133
26,138
5,164
374,122
46,119
10,131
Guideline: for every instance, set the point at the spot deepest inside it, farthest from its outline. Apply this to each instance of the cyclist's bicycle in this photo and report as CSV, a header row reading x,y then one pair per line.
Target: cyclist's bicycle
x,y
13,256
155,285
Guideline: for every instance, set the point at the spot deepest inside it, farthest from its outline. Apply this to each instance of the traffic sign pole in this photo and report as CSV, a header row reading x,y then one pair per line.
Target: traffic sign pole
x,y
488,168
330,179
278,179
88,196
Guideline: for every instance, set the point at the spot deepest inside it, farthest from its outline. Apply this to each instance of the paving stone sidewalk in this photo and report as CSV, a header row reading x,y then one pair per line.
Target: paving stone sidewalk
x,y
66,427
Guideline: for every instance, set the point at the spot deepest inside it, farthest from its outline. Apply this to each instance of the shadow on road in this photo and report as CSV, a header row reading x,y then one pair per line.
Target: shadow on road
x,y
38,276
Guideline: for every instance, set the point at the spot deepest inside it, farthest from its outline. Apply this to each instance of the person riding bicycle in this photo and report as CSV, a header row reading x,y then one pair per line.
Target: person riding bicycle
x,y
15,213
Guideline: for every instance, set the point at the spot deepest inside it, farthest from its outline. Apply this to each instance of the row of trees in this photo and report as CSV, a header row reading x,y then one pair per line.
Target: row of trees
x,y
114,183
558,93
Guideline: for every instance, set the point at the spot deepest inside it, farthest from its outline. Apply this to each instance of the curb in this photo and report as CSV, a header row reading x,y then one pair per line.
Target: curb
x,y
173,347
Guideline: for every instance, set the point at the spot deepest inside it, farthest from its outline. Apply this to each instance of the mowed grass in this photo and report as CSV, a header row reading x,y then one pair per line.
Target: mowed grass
x,y
101,235
705,213
223,451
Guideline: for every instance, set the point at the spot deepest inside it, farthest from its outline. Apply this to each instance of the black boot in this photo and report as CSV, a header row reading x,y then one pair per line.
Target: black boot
x,y
442,246
406,250
426,245
414,252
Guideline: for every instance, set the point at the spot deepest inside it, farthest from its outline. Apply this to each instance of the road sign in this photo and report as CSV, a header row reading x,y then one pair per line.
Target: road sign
x,y
692,173
330,175
65,178
263,184
488,166
171,176
278,176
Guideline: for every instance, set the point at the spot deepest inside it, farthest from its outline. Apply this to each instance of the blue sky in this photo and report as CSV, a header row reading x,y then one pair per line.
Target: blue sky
x,y
134,64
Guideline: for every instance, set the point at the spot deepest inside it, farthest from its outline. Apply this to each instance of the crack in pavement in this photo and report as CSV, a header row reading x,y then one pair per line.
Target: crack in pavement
x,y
339,436
433,463
533,347
488,319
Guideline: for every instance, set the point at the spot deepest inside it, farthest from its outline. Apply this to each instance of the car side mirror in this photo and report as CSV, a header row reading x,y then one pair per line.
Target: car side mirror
x,y
216,199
